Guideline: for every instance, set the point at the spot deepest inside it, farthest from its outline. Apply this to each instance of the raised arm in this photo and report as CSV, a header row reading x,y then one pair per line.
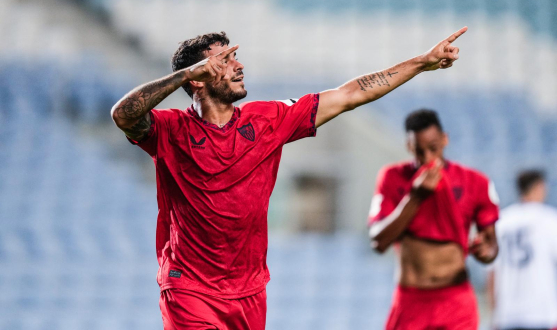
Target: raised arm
x,y
131,113
385,232
370,87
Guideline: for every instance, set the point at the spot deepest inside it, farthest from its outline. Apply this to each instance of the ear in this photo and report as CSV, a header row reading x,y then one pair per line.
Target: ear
x,y
445,139
410,140
196,84
408,145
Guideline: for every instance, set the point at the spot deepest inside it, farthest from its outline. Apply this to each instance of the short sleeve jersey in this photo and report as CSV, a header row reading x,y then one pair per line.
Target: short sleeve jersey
x,y
468,197
213,190
525,270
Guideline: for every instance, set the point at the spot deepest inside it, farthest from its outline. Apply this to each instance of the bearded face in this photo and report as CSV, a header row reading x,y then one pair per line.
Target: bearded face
x,y
228,91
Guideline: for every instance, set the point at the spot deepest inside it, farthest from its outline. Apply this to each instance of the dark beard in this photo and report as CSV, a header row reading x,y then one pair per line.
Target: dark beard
x,y
224,94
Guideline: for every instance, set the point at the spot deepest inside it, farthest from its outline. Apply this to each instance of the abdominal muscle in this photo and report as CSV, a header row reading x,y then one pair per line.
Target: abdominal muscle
x,y
430,265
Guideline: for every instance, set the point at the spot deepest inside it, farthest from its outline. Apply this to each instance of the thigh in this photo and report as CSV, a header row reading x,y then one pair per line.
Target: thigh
x,y
458,312
255,310
183,310
408,313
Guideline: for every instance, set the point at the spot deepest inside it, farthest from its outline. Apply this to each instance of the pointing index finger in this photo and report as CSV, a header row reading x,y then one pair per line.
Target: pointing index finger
x,y
457,34
227,52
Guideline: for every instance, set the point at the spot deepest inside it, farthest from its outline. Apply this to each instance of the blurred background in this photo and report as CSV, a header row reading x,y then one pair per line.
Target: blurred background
x,y
77,201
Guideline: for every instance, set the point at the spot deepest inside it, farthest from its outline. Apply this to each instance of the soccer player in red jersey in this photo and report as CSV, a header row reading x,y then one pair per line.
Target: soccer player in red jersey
x,y
427,206
216,166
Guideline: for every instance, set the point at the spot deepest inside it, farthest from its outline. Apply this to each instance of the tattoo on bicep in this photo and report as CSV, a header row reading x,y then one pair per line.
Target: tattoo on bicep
x,y
139,129
378,79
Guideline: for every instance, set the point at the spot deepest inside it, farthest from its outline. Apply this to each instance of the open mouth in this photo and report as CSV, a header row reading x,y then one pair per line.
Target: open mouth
x,y
238,79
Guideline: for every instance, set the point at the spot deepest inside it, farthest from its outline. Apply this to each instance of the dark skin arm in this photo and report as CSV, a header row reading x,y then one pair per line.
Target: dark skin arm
x,y
484,247
387,231
131,113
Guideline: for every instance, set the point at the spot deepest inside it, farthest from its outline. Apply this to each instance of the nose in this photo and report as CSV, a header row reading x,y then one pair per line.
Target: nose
x,y
429,157
239,66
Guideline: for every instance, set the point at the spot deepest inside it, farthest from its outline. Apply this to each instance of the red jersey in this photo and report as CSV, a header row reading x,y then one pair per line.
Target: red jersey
x,y
462,196
213,190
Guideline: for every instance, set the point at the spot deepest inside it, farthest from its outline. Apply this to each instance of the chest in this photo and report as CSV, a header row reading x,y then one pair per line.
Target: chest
x,y
459,187
235,149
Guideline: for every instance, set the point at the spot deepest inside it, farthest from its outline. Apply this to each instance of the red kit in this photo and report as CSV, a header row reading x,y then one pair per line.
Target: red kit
x,y
462,197
213,190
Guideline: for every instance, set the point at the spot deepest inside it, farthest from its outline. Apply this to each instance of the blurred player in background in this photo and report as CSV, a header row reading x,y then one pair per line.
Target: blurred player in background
x,y
523,281
428,206
216,167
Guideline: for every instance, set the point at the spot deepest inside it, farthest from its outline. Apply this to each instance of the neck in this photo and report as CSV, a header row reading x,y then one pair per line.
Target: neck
x,y
212,110
531,199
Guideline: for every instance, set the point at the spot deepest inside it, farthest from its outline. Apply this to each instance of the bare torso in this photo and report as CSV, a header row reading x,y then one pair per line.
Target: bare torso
x,y
429,265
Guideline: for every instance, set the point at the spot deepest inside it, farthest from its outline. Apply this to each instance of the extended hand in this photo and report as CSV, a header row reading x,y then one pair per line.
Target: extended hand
x,y
213,68
482,247
442,55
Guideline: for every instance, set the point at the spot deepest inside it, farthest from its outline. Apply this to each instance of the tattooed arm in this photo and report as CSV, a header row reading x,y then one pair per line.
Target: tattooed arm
x,y
131,113
370,87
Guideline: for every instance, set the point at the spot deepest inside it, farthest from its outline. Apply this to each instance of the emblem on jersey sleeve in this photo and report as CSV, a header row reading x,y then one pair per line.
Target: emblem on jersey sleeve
x,y
289,102
492,193
375,205
247,131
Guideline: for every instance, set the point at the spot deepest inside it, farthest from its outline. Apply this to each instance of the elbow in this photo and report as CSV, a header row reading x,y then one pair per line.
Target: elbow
x,y
114,113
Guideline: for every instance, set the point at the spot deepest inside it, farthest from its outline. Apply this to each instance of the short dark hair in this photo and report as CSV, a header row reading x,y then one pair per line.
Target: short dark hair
x,y
422,119
192,51
527,179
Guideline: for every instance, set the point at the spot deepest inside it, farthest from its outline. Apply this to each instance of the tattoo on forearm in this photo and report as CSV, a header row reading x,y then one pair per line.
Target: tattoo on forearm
x,y
378,79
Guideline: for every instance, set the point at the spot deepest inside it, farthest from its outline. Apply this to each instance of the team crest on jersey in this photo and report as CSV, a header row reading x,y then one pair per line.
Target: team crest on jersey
x,y
247,131
457,192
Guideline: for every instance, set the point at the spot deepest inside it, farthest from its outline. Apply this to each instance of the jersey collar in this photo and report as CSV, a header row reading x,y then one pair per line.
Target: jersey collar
x,y
225,128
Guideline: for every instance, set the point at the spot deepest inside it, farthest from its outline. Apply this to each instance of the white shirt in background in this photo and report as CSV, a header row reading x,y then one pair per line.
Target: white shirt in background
x,y
526,268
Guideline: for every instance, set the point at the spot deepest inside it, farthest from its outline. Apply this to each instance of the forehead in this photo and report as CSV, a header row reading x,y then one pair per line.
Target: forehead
x,y
430,134
216,48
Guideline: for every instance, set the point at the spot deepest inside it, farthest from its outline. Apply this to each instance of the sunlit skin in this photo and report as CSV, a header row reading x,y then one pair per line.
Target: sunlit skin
x,y
424,263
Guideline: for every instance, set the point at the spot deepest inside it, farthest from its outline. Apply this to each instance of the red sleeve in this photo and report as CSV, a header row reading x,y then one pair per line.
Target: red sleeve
x,y
384,200
487,208
158,131
296,118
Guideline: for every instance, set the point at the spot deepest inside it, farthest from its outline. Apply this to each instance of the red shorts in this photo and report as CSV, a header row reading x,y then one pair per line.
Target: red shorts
x,y
184,309
450,308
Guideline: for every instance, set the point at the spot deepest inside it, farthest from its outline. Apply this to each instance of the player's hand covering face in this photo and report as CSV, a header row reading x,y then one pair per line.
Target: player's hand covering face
x,y
221,74
442,55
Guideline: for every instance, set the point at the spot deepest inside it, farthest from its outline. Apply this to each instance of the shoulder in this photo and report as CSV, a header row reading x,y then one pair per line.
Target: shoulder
x,y
168,113
475,178
469,172
254,105
549,212
403,169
